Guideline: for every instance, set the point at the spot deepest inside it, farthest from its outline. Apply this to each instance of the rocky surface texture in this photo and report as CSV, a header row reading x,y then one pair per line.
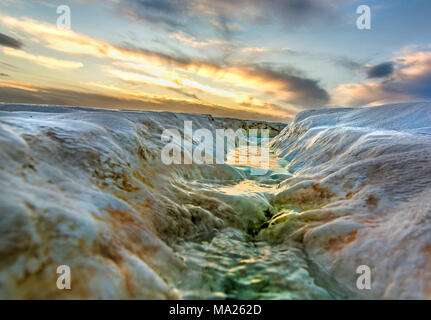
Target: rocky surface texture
x,y
86,188
362,184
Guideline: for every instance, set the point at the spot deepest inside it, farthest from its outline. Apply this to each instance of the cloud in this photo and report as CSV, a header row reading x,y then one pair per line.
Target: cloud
x,y
409,78
347,63
288,84
135,11
365,94
7,41
47,62
189,40
21,85
381,70
22,92
185,86
225,14
255,50
238,83
8,66
68,41
226,26
227,18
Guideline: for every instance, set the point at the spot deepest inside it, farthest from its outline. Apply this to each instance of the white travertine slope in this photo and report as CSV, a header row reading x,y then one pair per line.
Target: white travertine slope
x,y
362,187
86,188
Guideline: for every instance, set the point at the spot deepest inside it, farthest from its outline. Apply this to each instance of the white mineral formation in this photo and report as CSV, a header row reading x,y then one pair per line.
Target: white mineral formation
x,y
86,188
363,180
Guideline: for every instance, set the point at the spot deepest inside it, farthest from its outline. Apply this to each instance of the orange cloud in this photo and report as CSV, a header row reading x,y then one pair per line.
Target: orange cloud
x,y
47,62
364,94
255,50
415,64
410,80
24,92
242,85
20,85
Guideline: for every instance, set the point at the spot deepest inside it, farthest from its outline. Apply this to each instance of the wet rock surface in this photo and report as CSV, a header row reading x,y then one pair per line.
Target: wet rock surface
x,y
86,188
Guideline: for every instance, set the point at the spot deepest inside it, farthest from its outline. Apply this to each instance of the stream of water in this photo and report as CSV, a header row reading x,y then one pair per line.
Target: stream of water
x,y
234,264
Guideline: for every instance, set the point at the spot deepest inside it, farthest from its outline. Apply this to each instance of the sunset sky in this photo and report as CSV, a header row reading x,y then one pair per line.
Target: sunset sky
x,y
248,59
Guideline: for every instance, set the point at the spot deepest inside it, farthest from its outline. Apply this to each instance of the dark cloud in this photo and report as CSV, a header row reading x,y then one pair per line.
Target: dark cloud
x,y
10,42
3,74
227,20
418,87
175,13
134,12
307,92
410,79
292,13
185,93
381,70
347,63
164,6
